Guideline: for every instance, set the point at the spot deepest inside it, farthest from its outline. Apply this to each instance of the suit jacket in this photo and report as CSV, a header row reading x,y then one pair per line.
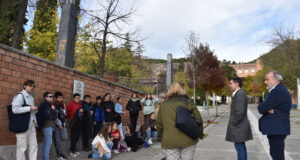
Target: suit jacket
x,y
278,123
239,129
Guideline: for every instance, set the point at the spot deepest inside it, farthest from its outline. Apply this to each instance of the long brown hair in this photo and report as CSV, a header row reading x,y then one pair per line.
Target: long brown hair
x,y
104,131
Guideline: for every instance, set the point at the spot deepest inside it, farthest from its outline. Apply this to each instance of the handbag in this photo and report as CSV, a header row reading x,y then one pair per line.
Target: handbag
x,y
18,123
186,123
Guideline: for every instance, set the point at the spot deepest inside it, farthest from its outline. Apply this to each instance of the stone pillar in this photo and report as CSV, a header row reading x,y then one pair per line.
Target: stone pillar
x,y
67,33
298,92
169,74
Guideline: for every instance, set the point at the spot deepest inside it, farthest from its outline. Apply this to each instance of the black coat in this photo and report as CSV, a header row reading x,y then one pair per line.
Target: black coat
x,y
239,129
109,110
134,107
45,113
278,123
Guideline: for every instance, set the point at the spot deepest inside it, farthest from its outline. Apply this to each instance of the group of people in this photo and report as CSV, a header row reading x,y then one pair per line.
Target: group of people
x,y
99,123
274,122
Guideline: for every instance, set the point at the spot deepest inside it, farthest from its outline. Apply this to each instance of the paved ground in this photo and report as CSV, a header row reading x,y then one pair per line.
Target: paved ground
x,y
214,147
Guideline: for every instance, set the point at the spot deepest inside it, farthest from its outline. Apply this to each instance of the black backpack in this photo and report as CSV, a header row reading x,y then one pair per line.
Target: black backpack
x,y
18,123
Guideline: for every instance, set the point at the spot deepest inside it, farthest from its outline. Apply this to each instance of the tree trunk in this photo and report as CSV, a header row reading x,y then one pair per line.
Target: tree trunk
x,y
194,87
18,28
206,95
102,61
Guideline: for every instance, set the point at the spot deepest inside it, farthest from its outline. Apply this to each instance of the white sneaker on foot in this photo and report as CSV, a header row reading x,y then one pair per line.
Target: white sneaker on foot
x,y
116,151
150,141
128,149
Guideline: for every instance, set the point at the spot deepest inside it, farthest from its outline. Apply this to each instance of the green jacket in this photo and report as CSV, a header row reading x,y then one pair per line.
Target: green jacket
x,y
168,134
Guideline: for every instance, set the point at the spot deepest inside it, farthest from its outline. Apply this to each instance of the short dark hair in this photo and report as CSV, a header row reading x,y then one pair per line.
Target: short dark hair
x,y
238,80
29,83
119,98
86,96
58,94
98,98
46,95
76,94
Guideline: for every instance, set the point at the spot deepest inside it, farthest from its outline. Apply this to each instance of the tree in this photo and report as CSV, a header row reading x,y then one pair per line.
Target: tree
x,y
20,21
42,38
108,22
284,57
8,15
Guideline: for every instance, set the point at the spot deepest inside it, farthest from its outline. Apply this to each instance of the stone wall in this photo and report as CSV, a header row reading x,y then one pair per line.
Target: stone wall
x,y
17,66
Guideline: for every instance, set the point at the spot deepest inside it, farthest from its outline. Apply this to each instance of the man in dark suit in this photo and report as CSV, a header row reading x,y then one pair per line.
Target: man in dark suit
x,y
239,130
275,110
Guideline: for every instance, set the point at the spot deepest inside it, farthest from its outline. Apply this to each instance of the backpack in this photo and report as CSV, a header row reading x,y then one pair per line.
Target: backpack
x,y
18,123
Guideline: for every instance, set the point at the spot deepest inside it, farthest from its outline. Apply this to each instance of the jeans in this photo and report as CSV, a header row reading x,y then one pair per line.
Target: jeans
x,y
74,138
106,156
240,147
57,140
97,128
120,128
48,132
276,143
151,134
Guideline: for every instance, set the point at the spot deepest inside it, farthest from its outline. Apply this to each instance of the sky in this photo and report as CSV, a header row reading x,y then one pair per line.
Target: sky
x,y
235,29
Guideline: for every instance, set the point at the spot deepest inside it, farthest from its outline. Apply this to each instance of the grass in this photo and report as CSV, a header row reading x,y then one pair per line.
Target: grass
x,y
205,136
212,122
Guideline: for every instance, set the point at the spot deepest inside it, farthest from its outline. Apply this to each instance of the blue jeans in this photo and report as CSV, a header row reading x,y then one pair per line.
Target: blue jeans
x,y
48,132
151,133
106,156
241,150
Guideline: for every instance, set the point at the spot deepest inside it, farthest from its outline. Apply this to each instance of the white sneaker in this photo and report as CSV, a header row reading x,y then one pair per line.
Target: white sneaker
x,y
150,141
128,149
116,151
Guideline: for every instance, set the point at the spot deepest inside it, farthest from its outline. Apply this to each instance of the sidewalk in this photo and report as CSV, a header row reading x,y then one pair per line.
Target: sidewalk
x,y
214,146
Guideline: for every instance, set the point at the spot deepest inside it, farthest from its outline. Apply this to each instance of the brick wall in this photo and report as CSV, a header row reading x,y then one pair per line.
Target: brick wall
x,y
17,66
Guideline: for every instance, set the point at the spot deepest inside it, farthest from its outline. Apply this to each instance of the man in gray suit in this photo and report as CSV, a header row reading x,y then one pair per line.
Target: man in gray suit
x,y
238,129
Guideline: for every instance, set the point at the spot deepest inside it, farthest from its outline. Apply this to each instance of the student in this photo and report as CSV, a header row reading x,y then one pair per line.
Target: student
x,y
149,103
132,139
142,134
60,131
119,112
109,108
102,144
26,140
46,117
152,128
134,107
87,126
116,138
74,114
98,116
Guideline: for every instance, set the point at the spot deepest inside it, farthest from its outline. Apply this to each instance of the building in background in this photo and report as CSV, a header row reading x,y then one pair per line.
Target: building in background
x,y
247,69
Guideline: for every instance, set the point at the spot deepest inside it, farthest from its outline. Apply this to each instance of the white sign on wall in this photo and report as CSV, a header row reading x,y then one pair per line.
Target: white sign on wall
x,y
78,88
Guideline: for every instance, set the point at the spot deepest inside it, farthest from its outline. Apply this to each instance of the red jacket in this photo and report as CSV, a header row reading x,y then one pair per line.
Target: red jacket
x,y
114,133
72,108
